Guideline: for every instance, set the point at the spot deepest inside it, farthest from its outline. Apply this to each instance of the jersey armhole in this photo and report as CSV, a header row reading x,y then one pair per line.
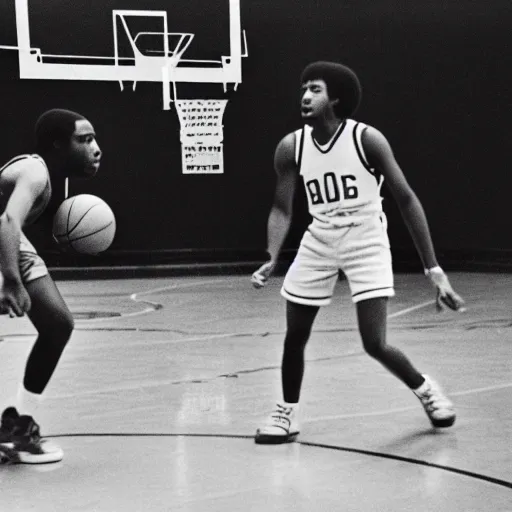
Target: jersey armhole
x,y
299,145
359,129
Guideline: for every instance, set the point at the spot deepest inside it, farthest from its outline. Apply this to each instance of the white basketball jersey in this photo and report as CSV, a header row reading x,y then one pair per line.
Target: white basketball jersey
x,y
42,202
339,182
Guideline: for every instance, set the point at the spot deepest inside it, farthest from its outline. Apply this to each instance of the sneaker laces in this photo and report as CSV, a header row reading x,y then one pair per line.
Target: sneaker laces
x,y
434,399
281,415
27,429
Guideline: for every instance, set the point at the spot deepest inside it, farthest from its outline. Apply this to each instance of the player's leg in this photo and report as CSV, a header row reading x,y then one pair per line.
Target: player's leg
x,y
54,323
282,424
368,267
366,261
299,322
52,319
372,319
309,284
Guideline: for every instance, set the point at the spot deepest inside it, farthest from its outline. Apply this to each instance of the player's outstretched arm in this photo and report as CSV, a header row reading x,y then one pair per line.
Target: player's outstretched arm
x,y
280,216
27,187
380,156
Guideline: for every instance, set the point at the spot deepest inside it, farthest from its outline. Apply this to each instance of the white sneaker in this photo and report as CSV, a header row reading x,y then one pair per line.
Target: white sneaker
x,y
281,426
438,407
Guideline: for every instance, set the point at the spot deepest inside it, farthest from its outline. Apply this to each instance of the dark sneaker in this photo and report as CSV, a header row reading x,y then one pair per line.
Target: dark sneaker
x,y
23,442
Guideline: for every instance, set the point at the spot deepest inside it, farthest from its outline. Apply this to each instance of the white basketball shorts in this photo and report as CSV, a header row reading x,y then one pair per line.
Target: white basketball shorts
x,y
32,266
360,251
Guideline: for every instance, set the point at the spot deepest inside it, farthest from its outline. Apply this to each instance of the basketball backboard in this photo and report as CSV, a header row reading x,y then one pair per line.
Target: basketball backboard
x,y
148,45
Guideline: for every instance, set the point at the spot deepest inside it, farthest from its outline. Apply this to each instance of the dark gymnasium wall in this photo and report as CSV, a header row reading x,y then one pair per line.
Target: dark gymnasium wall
x,y
436,79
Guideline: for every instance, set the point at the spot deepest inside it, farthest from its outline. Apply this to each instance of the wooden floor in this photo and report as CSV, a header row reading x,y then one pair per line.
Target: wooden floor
x,y
159,393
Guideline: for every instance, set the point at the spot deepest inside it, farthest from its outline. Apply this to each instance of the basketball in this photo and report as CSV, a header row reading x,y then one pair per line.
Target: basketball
x,y
85,223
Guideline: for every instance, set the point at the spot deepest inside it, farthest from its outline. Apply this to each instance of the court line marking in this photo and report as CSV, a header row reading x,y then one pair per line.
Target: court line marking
x,y
482,390
153,306
411,308
383,455
419,462
473,391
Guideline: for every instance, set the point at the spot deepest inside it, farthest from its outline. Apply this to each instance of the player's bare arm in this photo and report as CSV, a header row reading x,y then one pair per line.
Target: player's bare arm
x,y
281,213
380,156
26,186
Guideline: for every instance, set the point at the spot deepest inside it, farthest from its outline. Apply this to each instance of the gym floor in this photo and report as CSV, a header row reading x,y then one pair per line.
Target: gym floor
x,y
158,395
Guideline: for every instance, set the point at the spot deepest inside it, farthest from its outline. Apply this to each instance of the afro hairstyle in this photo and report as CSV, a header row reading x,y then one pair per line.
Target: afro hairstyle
x,y
342,84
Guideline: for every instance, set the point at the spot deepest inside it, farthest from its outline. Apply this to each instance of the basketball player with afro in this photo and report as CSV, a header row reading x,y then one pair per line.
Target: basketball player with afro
x,y
66,147
343,164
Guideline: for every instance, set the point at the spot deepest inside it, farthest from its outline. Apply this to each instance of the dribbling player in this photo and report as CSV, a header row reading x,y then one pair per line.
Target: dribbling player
x,y
343,164
66,147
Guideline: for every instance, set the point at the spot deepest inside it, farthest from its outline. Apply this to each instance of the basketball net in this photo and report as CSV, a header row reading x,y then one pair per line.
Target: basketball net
x,y
201,135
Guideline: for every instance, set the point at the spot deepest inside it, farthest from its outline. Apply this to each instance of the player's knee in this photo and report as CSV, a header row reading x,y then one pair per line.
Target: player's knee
x,y
63,327
375,349
67,326
296,338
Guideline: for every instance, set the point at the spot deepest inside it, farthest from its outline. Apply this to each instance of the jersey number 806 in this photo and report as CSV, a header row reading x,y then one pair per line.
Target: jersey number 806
x,y
330,189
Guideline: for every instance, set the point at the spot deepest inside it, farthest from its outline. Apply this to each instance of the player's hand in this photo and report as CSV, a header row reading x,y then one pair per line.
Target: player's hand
x,y
446,296
14,299
260,277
